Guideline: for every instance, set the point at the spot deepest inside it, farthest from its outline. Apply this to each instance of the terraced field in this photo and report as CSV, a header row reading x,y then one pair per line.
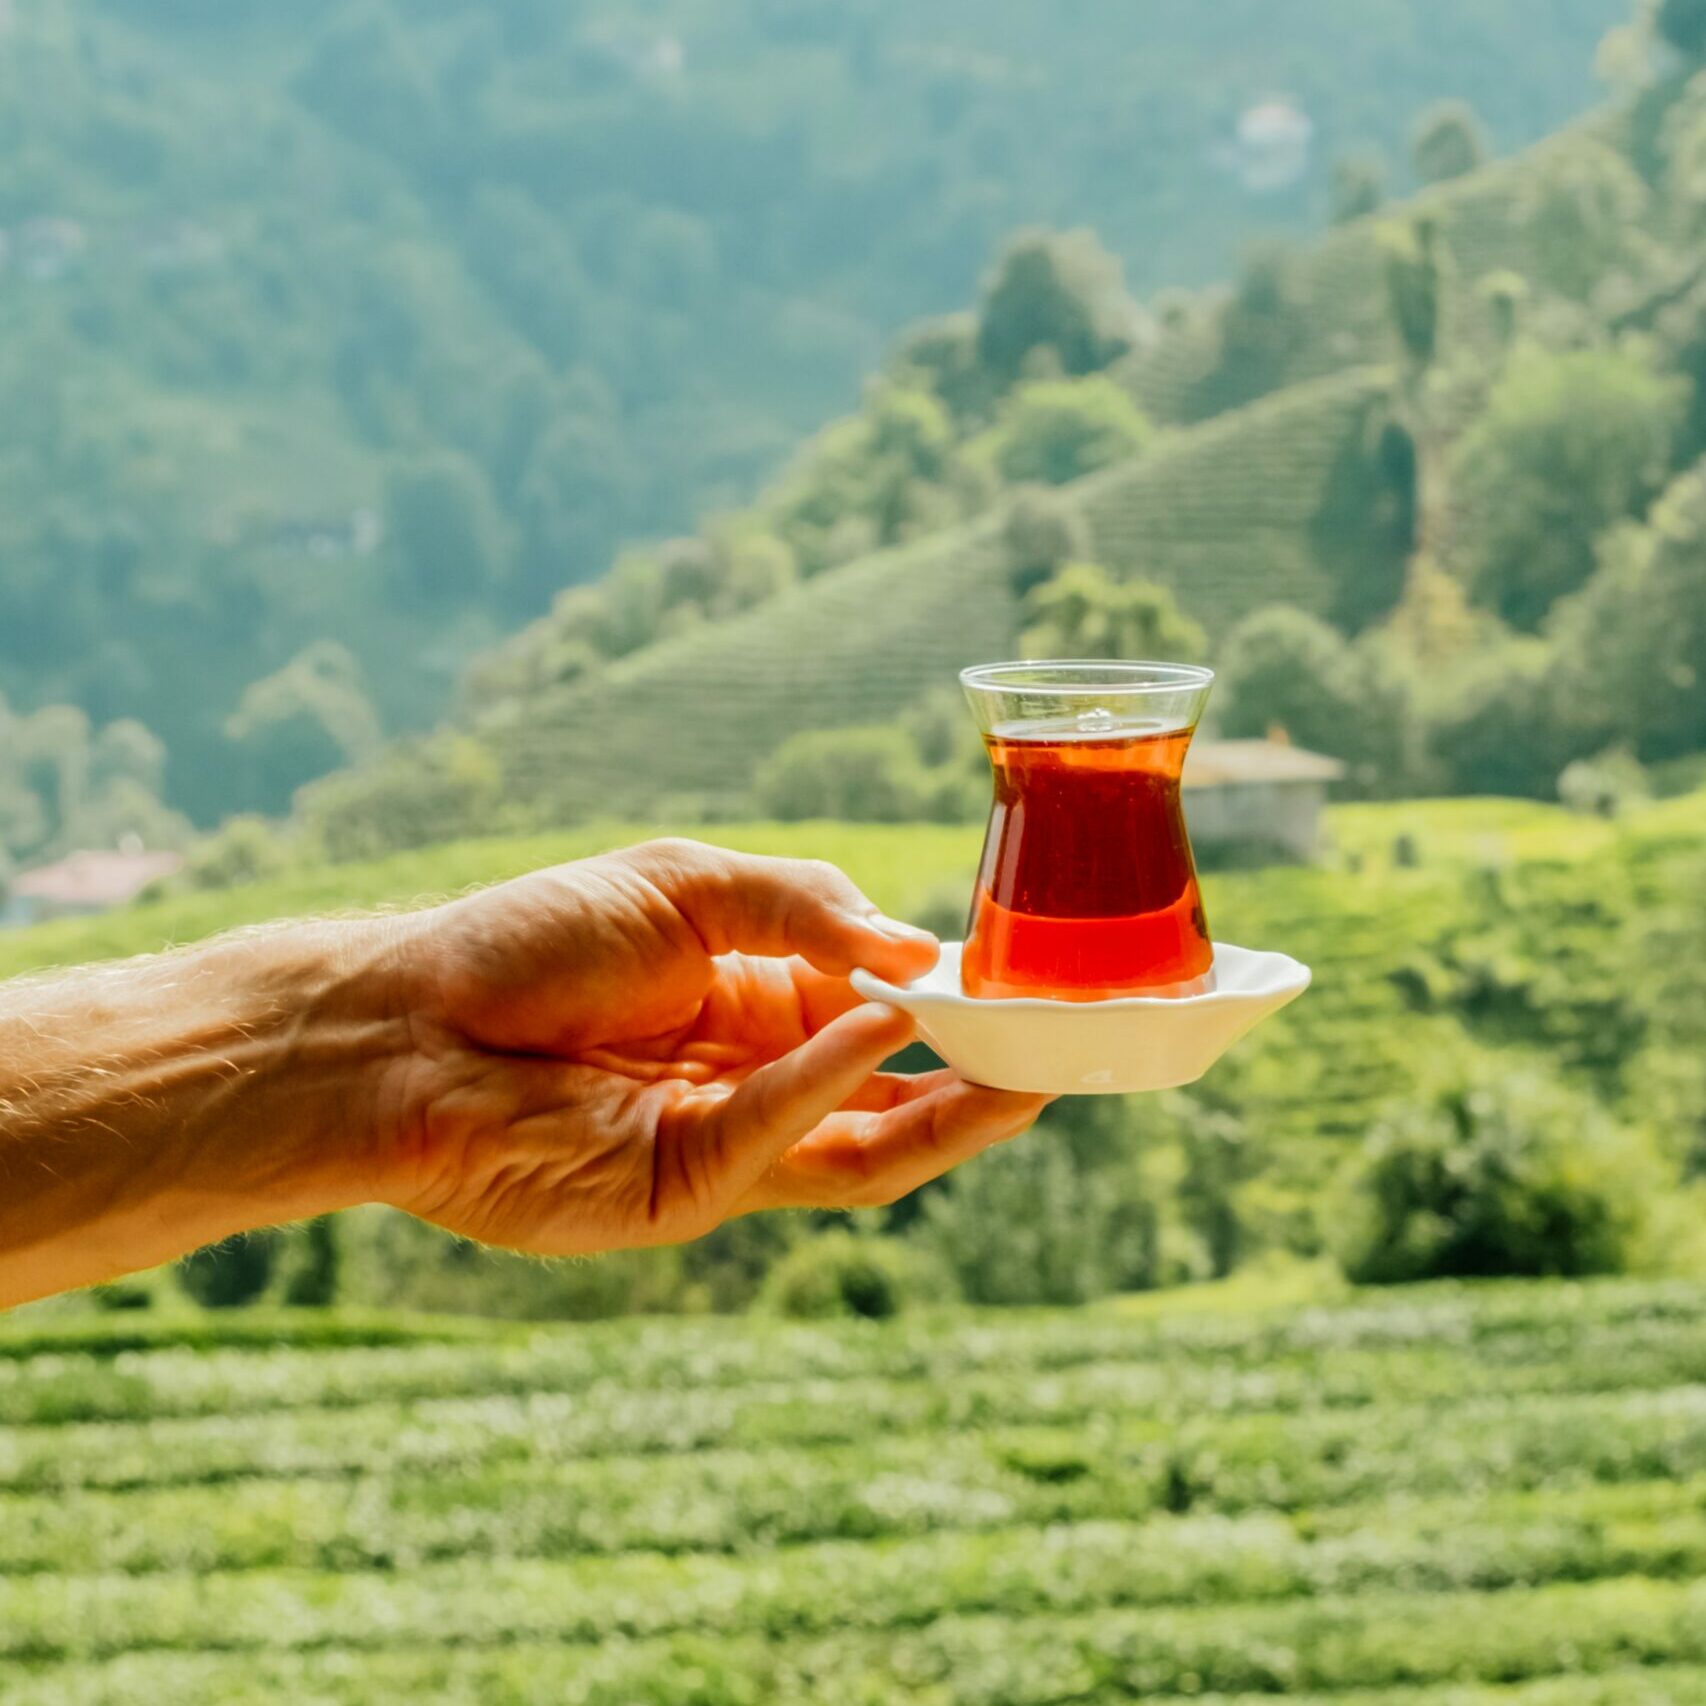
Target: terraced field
x,y
1426,1497
1233,513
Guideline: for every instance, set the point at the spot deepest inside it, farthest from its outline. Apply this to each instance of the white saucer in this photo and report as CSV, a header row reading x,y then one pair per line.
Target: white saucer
x,y
1092,1048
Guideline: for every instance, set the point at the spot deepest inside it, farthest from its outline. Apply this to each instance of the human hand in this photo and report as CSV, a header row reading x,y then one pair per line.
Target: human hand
x,y
630,1049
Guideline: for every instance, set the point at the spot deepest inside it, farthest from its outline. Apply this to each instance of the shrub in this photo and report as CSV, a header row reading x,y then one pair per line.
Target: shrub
x,y
1448,143
1604,785
1022,1224
1057,431
853,1274
228,1275
1512,1177
862,775
1568,444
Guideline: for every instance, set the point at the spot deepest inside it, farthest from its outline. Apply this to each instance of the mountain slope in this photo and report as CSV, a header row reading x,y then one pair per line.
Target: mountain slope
x,y
1230,514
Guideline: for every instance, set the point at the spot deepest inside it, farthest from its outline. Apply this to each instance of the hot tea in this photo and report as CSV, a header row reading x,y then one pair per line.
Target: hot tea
x,y
1087,888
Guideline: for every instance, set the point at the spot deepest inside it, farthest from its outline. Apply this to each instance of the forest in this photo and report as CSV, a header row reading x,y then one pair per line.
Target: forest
x,y
336,341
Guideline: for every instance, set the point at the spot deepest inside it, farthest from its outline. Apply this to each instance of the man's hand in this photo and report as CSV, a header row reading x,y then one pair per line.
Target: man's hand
x,y
618,1052
631,1049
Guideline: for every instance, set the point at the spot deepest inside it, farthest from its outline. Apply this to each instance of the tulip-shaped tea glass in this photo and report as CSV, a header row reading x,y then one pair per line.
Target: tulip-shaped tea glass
x,y
1087,890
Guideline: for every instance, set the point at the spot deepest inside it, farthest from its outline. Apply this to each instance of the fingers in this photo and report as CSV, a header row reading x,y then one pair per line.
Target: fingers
x,y
862,1160
752,904
783,1102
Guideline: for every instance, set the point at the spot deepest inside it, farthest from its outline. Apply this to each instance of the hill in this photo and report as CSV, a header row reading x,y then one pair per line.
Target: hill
x,y
379,324
1290,442
1231,514
1442,1497
1446,937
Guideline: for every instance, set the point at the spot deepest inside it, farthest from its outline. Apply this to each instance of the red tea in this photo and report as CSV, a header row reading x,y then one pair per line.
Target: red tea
x,y
1087,889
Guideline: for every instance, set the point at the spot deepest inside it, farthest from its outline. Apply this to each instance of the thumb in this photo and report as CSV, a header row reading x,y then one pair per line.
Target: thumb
x,y
750,904
781,1103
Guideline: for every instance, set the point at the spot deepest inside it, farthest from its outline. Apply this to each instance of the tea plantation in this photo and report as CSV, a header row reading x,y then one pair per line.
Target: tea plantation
x,y
1441,1495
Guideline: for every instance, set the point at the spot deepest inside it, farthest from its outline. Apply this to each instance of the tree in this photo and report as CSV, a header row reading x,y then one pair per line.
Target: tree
x,y
443,537
1413,267
1359,187
304,720
1261,327
1058,292
1583,210
1282,667
1489,726
1042,531
1082,612
1057,431
1511,1176
414,794
1448,142
1683,24
1631,645
857,775
1569,443
1504,295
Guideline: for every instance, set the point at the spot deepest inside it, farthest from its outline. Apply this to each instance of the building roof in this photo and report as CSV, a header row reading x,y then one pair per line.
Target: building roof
x,y
96,878
1215,763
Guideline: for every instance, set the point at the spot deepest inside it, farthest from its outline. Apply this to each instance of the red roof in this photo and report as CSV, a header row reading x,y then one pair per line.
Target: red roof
x,y
96,879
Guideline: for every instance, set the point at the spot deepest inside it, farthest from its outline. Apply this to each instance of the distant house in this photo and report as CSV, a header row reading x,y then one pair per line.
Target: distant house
x,y
1270,150
81,883
1251,795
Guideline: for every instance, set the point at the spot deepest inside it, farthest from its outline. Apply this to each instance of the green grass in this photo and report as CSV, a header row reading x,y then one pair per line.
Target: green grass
x,y
1514,932
1451,1496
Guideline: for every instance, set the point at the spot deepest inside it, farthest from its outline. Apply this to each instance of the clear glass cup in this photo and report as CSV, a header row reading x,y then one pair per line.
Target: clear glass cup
x,y
1087,889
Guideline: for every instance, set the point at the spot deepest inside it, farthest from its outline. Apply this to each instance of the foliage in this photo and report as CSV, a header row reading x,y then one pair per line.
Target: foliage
x,y
1583,210
406,798
1040,533
1631,645
65,785
1569,444
1414,288
1022,1224
1056,431
1081,612
1683,24
1447,143
304,720
1359,186
852,1274
228,1275
1060,298
1505,1177
1604,785
443,536
1280,668
1491,1494
860,775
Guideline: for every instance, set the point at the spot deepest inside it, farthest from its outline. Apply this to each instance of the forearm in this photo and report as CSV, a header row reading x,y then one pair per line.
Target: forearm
x,y
150,1107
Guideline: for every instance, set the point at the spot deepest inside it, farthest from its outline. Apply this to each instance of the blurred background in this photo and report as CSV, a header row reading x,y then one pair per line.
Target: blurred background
x,y
443,437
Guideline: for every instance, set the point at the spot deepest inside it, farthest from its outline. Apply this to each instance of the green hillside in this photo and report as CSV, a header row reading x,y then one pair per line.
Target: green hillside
x,y
1234,513
380,323
1445,937
1295,445
1440,1497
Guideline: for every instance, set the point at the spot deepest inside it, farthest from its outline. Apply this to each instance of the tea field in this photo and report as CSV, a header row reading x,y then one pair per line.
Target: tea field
x,y
1438,1495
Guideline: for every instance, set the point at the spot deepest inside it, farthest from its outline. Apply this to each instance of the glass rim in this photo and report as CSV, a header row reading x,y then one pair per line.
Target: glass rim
x,y
1065,677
